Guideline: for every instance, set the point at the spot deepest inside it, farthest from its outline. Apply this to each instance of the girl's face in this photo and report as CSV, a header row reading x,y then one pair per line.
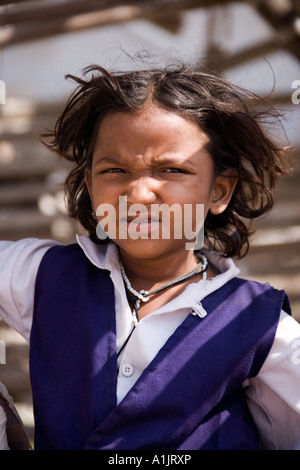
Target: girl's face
x,y
147,160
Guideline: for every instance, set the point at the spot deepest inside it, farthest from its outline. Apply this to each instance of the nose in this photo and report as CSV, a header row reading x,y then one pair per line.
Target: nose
x,y
142,190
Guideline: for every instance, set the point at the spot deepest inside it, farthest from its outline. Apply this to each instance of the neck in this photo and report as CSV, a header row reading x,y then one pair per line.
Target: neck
x,y
151,273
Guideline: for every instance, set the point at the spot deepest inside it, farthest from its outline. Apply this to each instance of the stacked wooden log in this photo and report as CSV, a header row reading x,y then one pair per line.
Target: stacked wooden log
x,y
31,179
31,205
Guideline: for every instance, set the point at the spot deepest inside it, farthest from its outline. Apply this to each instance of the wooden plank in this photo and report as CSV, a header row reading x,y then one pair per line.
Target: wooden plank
x,y
31,160
221,61
17,223
126,11
15,194
32,10
5,2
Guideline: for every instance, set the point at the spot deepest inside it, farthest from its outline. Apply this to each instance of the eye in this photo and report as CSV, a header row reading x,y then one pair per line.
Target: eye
x,y
112,170
174,170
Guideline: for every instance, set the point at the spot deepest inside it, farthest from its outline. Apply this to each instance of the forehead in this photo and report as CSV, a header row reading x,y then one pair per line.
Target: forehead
x,y
149,127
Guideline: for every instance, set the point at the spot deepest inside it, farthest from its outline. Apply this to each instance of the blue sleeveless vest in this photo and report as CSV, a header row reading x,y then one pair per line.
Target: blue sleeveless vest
x,y
189,397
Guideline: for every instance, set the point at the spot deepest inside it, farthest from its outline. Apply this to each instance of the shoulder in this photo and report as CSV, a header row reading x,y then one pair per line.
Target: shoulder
x,y
21,259
247,292
250,308
67,265
19,263
25,248
271,296
62,257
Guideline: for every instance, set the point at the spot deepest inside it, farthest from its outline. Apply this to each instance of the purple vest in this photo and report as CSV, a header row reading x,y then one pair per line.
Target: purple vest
x,y
189,397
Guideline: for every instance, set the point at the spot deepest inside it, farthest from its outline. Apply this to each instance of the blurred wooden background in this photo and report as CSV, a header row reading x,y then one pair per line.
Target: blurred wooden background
x,y
31,189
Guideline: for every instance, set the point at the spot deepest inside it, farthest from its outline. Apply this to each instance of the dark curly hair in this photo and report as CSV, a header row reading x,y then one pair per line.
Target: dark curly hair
x,y
232,117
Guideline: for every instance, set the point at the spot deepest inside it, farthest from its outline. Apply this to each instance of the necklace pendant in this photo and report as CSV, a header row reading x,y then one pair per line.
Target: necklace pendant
x,y
145,295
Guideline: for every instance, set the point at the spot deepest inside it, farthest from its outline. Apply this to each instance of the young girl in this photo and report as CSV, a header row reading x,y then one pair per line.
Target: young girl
x,y
138,341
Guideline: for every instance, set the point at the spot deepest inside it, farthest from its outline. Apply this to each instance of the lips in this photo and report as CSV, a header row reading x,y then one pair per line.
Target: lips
x,y
139,222
141,218
140,225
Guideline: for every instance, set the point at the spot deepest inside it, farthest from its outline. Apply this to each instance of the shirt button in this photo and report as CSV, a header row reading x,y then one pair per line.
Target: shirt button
x,y
127,370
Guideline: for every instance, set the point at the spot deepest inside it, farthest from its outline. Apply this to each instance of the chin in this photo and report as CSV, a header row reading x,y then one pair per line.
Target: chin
x,y
150,249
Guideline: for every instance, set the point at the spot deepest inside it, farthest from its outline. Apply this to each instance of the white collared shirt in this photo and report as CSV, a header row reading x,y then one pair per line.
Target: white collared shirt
x,y
273,396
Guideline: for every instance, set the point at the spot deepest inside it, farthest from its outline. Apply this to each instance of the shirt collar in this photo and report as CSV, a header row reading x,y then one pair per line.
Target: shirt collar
x,y
107,257
102,256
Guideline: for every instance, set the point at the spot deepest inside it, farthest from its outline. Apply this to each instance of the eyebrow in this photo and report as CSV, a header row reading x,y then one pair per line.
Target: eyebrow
x,y
155,162
105,160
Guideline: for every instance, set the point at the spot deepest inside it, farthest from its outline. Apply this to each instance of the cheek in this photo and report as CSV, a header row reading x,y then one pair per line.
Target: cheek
x,y
100,194
199,205
105,204
199,193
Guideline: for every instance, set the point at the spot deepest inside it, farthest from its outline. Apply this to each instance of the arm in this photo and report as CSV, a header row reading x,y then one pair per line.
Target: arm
x,y
274,395
19,262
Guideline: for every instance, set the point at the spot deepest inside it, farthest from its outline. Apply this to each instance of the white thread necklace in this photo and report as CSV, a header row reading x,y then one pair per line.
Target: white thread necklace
x,y
143,295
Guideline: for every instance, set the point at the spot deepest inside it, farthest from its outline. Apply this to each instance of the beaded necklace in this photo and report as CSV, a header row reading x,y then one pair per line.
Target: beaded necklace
x,y
136,297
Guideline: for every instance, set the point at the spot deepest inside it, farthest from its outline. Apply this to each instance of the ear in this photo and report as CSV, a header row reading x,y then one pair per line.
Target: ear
x,y
222,192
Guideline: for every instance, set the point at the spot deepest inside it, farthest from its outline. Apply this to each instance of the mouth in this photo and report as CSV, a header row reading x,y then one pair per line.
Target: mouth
x,y
140,219
140,224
